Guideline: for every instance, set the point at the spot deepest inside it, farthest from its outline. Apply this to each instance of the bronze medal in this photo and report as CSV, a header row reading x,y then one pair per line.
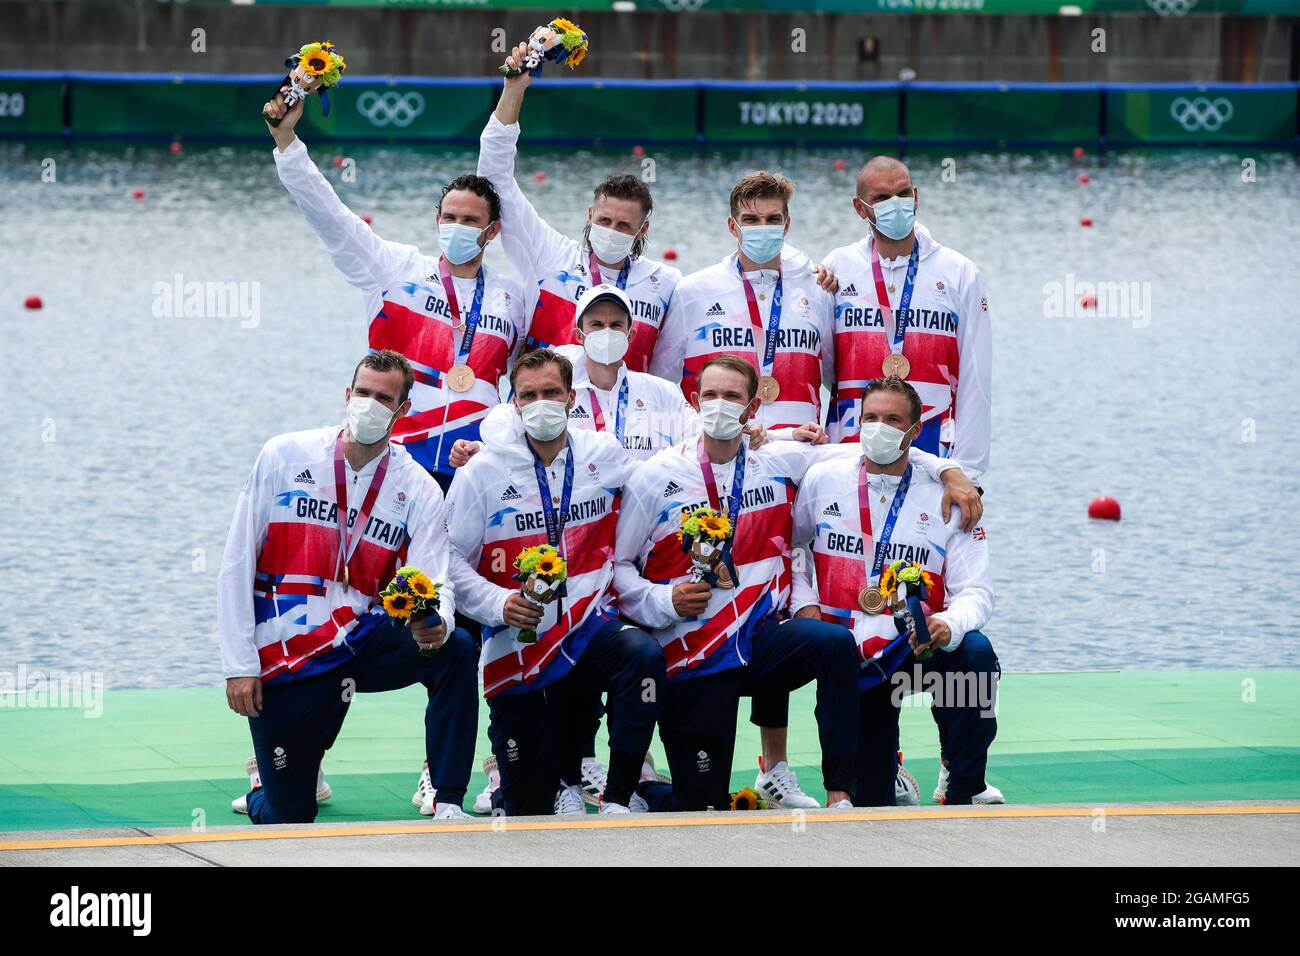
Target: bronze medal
x,y
768,389
347,578
869,600
723,574
460,378
897,365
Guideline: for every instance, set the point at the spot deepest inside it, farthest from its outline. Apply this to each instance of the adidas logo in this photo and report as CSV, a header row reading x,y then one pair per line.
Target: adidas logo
x,y
849,290
510,494
673,489
305,478
579,412
716,310
833,511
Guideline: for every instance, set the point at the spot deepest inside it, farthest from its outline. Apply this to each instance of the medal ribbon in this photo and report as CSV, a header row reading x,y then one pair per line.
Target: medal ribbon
x,y
471,321
555,523
887,531
594,266
346,547
773,321
904,300
620,411
733,499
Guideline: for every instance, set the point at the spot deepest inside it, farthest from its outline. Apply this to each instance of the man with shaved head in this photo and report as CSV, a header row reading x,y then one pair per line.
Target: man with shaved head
x,y
910,308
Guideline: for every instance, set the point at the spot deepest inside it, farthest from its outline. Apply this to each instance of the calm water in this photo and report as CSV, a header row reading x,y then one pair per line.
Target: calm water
x,y
130,432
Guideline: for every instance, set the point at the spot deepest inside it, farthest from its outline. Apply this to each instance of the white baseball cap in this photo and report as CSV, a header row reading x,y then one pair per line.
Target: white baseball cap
x,y
599,293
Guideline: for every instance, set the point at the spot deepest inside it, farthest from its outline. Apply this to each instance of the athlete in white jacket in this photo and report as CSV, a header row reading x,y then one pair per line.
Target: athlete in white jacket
x,y
457,322
859,515
557,269
322,525
536,482
945,351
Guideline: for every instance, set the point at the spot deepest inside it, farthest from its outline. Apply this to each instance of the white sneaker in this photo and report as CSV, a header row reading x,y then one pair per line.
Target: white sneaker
x,y
840,805
240,803
989,795
638,804
594,778
613,808
483,802
780,788
424,793
907,792
650,775
447,811
570,799
941,787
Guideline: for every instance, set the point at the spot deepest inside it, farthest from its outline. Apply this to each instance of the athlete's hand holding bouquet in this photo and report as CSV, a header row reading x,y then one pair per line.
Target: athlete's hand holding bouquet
x,y
412,597
542,573
315,68
905,588
560,41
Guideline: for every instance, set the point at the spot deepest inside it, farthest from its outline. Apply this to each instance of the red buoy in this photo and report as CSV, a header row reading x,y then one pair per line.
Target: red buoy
x,y
539,177
1089,301
1083,178
137,194
338,161
1086,222
33,302
638,150
366,219
1078,152
670,254
175,147
1104,508
841,165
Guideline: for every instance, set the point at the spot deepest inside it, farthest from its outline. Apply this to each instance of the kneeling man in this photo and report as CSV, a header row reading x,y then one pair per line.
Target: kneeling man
x,y
859,515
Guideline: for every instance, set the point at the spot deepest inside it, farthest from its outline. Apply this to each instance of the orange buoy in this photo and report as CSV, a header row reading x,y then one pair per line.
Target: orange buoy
x,y
1088,302
1086,222
33,302
841,165
1083,179
137,194
670,254
539,177
1104,508
338,160
175,147
1078,152
638,150
366,219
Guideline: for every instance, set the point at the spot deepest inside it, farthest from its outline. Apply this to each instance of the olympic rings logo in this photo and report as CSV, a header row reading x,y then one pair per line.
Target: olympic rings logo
x,y
1171,8
1201,113
390,107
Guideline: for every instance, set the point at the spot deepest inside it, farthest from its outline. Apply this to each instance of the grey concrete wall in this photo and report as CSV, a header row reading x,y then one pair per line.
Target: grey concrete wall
x,y
148,36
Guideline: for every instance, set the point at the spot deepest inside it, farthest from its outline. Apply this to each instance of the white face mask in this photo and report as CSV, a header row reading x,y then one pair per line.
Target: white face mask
x,y
605,346
368,420
609,245
545,419
720,419
882,443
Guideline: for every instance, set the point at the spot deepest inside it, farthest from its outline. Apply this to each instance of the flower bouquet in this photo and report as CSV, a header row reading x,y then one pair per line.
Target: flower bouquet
x,y
560,41
411,593
704,535
543,572
748,799
313,69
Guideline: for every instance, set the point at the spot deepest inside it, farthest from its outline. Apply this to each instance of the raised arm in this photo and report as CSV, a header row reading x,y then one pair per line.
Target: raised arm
x,y
533,246
365,260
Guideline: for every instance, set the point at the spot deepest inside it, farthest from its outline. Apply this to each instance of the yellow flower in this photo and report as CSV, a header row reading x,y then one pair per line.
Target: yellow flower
x,y
576,57
565,26
745,799
550,567
399,605
420,585
715,526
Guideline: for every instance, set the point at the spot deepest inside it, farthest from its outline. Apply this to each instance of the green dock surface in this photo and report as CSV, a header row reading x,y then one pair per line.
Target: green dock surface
x,y
174,758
